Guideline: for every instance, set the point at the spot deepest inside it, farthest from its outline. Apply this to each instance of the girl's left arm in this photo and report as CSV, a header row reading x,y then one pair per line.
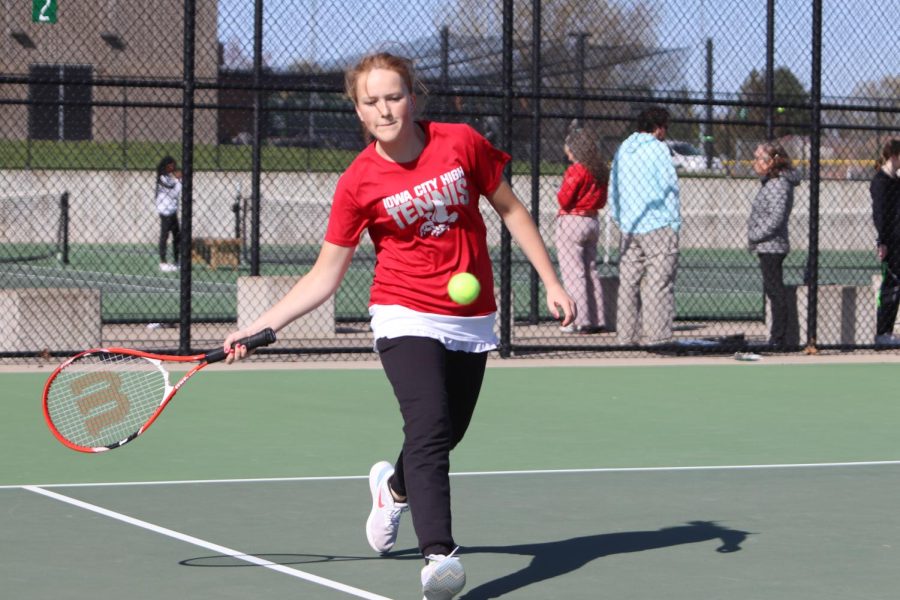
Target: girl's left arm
x,y
520,224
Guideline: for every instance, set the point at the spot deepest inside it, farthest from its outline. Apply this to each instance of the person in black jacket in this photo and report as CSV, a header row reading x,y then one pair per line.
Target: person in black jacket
x,y
885,190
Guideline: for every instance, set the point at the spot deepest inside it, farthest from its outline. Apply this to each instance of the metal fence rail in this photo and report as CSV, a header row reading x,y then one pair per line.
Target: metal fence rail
x,y
248,99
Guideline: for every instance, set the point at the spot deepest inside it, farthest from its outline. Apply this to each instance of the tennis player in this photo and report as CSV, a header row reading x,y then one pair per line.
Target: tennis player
x,y
415,189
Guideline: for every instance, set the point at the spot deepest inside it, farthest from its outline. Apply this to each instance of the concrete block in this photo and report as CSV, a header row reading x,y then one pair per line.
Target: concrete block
x,y
54,319
845,315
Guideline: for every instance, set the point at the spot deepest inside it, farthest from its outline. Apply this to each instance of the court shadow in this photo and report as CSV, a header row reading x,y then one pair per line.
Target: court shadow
x,y
553,559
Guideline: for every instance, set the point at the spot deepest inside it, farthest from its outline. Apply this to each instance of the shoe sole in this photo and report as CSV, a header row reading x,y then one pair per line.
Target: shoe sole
x,y
374,481
447,580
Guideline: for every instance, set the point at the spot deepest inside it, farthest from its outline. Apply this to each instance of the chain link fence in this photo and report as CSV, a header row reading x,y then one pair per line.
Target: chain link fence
x,y
247,97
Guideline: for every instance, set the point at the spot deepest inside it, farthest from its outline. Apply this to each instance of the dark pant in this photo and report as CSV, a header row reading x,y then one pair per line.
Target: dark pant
x,y
169,224
437,390
889,294
773,287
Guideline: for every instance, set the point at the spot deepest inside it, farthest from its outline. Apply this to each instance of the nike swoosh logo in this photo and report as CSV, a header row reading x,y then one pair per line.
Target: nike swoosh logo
x,y
380,503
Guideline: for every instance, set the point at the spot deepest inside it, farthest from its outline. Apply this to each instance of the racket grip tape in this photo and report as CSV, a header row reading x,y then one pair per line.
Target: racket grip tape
x,y
263,338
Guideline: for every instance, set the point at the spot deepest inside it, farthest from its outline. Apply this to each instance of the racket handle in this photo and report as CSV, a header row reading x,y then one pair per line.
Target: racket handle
x,y
263,338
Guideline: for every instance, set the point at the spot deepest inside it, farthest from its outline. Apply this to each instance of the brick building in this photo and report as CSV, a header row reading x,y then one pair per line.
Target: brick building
x,y
62,80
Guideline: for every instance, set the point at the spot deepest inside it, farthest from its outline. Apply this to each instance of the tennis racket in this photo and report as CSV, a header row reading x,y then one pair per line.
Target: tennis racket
x,y
103,398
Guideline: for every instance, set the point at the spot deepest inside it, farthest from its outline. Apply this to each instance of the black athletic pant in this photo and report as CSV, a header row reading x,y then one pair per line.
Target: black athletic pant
x,y
167,224
437,390
889,294
773,287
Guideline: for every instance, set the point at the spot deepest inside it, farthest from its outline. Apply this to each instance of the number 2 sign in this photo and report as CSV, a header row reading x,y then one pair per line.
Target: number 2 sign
x,y
43,11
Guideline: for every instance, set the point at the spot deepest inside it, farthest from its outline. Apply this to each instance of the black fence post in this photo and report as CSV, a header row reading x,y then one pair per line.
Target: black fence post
x,y
64,228
236,209
445,104
770,69
534,295
580,66
708,147
506,312
256,166
815,139
187,158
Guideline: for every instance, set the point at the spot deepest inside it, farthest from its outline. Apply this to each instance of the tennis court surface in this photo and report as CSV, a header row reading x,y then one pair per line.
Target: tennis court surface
x,y
738,480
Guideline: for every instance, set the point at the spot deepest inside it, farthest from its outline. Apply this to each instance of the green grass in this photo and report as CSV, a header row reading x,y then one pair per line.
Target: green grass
x,y
143,156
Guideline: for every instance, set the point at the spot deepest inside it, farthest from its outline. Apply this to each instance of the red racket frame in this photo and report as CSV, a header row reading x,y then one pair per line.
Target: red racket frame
x,y
263,338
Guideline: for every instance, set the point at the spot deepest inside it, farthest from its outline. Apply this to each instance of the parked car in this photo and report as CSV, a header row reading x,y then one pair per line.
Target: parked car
x,y
687,158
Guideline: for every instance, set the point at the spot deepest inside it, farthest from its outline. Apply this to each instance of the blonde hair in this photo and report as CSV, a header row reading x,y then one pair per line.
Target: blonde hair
x,y
382,60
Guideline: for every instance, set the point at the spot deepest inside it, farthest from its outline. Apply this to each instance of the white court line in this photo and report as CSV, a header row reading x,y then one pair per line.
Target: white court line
x,y
871,463
209,545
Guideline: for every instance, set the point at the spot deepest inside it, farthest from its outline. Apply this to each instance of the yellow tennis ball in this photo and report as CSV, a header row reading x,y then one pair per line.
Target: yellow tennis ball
x,y
463,288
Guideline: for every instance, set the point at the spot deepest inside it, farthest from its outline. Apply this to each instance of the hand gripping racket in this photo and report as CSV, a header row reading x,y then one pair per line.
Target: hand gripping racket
x,y
103,398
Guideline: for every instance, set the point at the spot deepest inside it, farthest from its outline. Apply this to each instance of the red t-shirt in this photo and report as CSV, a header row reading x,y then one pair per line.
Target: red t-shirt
x,y
580,191
423,218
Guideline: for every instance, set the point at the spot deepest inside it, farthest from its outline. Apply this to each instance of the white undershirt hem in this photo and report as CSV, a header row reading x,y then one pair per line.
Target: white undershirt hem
x,y
457,334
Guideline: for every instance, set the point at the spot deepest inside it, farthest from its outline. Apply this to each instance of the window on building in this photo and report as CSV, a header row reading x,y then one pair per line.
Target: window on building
x,y
61,102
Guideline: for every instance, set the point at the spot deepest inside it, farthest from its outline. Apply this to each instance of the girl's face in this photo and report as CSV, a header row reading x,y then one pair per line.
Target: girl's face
x,y
762,162
385,106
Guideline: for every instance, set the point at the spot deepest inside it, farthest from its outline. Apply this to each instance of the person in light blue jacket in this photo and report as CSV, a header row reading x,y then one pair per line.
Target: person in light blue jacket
x,y
645,205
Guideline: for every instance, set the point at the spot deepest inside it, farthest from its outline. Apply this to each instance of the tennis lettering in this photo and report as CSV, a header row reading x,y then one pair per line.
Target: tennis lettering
x,y
429,200
108,395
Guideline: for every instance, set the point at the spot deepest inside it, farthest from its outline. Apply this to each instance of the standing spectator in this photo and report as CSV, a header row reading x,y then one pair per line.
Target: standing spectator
x,y
767,230
581,196
645,205
168,191
885,190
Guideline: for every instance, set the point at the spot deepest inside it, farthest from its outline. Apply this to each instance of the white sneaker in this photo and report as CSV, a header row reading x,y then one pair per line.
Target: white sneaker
x,y
384,520
887,339
167,267
442,577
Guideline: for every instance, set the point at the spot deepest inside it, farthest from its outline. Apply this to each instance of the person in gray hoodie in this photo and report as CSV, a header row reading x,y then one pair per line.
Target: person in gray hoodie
x,y
645,204
767,230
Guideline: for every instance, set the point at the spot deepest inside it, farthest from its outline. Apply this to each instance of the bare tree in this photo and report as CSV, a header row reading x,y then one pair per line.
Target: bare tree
x,y
588,48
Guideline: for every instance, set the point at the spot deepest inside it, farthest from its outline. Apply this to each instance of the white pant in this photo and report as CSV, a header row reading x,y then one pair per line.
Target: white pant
x,y
576,249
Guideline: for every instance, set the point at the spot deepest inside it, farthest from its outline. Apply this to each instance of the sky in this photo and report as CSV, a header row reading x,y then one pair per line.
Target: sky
x,y
853,32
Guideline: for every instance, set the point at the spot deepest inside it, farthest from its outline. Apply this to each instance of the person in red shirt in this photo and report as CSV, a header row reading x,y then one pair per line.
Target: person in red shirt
x,y
416,190
581,196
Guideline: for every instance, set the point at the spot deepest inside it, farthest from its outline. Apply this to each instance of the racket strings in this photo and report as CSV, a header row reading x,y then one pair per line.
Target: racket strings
x,y
104,397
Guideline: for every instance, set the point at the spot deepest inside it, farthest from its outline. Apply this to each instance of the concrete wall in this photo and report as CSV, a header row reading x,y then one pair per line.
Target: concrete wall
x,y
115,206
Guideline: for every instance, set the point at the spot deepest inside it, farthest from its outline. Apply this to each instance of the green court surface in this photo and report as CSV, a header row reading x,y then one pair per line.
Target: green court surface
x,y
739,481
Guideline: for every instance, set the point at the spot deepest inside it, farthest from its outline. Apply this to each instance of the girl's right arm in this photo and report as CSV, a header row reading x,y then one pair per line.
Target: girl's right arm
x,y
308,293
